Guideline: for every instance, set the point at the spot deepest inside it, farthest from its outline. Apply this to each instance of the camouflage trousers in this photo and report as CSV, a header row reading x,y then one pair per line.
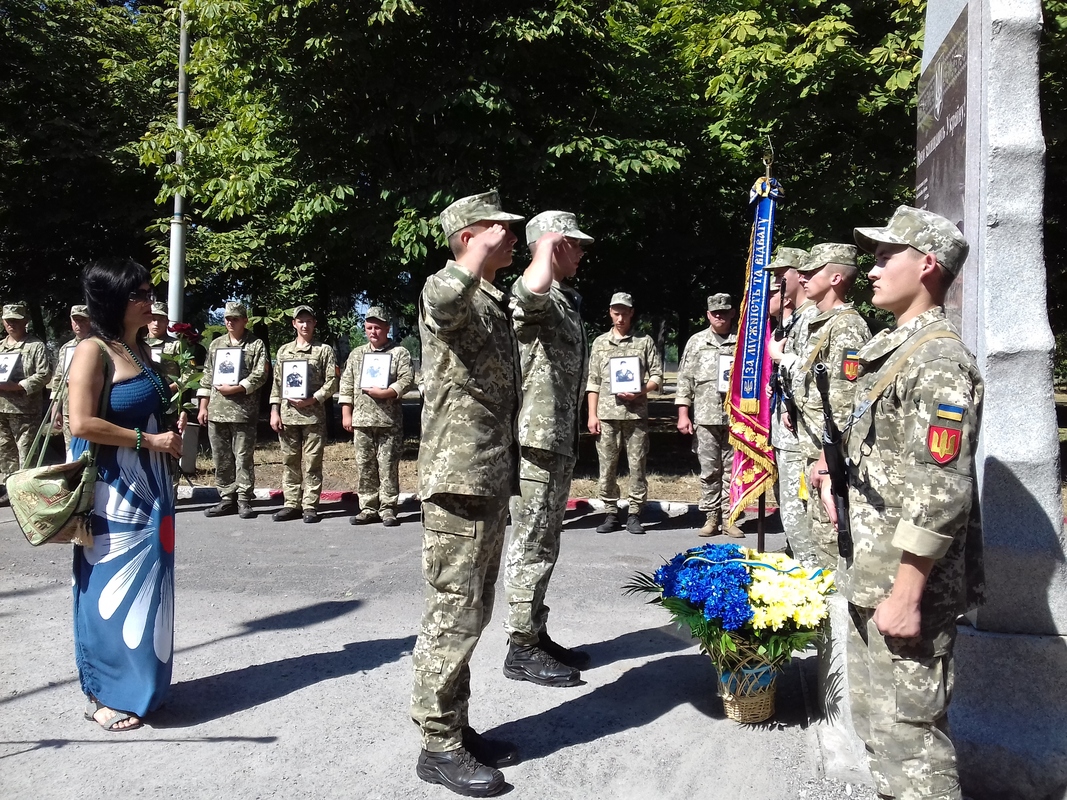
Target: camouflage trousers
x,y
716,457
378,460
16,438
614,433
302,447
233,447
823,532
536,524
899,692
793,510
462,540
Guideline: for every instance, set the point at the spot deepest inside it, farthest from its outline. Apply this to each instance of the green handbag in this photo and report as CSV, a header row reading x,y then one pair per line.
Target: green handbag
x,y
52,502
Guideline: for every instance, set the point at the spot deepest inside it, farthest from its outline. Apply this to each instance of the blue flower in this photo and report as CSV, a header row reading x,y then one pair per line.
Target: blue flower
x,y
713,579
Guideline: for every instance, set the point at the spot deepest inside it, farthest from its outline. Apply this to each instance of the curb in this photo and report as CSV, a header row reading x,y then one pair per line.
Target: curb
x,y
585,505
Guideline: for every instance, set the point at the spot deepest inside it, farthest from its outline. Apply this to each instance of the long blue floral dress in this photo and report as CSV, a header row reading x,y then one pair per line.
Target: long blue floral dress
x,y
124,583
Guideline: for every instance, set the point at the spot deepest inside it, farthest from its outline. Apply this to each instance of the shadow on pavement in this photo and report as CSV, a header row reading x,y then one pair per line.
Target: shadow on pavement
x,y
215,696
635,644
59,744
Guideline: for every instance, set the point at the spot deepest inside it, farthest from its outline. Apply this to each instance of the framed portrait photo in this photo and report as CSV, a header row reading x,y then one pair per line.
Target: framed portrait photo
x,y
295,379
375,373
68,356
8,364
625,374
227,366
726,363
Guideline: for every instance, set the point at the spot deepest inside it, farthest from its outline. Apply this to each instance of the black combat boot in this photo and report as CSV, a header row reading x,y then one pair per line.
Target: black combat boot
x,y
459,771
223,509
575,659
531,663
491,752
610,523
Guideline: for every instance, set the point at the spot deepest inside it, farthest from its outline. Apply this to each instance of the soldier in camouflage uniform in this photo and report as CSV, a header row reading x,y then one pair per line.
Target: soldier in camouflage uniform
x,y
916,564
790,461
82,327
231,413
834,334
301,424
21,389
467,472
554,352
374,415
700,375
621,418
161,343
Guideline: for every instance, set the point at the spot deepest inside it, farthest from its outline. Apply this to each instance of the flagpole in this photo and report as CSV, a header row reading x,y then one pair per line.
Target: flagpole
x,y
761,519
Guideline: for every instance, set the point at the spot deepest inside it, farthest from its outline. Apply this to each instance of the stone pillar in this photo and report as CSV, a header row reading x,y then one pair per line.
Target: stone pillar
x,y
1009,708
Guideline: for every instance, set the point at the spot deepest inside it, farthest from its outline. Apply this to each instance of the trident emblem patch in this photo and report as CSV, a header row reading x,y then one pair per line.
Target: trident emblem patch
x,y
850,365
943,443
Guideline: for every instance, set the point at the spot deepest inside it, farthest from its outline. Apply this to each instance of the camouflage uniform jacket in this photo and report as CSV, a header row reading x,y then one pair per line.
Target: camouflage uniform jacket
x,y
171,347
470,377
781,437
32,372
608,346
698,376
322,380
241,407
366,411
911,470
554,354
838,333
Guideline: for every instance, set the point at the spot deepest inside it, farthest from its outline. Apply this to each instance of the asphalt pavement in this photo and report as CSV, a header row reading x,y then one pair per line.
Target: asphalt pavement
x,y
292,673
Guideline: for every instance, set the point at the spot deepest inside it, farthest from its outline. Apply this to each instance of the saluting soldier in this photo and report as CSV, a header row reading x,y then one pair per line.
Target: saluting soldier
x,y
703,381
916,562
229,407
308,370
24,371
552,342
161,343
834,335
467,472
790,461
371,393
617,399
79,323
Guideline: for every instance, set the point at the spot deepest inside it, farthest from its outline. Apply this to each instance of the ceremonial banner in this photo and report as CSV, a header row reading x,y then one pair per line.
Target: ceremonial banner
x,y
748,403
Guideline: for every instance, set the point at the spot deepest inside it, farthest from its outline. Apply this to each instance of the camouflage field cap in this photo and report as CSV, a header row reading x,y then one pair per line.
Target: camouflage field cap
x,y
302,309
16,311
788,258
476,208
159,309
560,221
235,308
377,313
79,311
830,253
924,230
622,299
719,302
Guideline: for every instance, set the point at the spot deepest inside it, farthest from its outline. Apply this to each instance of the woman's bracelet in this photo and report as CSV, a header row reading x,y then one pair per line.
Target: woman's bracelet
x,y
138,432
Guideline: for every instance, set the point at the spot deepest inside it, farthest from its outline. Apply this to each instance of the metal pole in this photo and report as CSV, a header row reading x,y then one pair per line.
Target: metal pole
x,y
176,283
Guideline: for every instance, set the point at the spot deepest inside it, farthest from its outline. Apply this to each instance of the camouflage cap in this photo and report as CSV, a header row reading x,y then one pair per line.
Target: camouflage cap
x,y
830,253
79,311
302,309
235,308
476,208
720,302
924,230
378,313
15,311
622,299
159,309
560,221
788,258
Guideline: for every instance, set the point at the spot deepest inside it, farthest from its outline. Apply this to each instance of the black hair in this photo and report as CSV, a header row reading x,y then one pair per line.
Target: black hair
x,y
107,284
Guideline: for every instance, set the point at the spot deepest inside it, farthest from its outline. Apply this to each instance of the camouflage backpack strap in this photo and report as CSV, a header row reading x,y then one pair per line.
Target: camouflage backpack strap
x,y
823,339
898,363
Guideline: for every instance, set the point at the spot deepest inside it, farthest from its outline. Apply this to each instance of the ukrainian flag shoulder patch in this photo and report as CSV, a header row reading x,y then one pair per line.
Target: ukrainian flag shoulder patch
x,y
954,413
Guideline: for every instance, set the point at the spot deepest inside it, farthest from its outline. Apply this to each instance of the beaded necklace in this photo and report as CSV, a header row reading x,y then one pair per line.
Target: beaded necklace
x,y
157,382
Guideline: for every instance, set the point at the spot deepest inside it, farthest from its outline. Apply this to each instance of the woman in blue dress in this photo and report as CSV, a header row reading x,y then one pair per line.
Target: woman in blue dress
x,y
124,582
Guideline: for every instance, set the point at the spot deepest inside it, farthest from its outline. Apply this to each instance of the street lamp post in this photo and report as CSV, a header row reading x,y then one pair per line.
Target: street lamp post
x,y
176,282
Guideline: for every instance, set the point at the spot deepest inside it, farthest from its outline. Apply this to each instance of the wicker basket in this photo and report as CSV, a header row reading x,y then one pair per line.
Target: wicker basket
x,y
747,691
752,708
